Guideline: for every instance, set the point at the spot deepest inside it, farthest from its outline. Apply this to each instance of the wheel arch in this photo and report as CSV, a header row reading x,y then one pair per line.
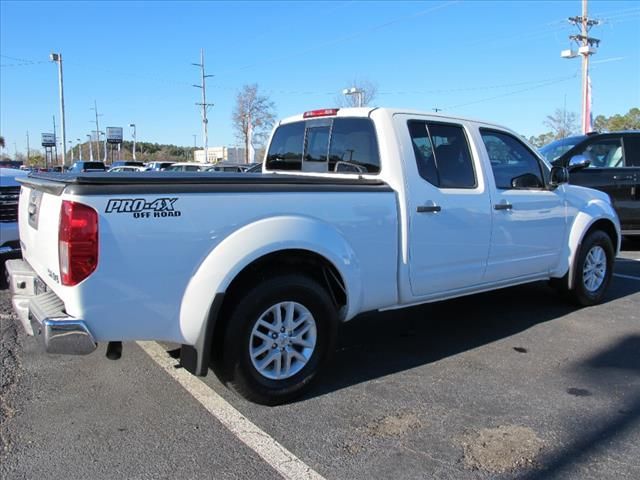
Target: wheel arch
x,y
268,245
605,224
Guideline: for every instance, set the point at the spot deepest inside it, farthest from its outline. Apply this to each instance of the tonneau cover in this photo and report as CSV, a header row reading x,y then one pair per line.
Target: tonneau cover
x,y
191,182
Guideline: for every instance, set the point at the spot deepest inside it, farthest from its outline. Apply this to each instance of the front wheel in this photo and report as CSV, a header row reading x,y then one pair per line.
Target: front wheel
x,y
279,335
593,269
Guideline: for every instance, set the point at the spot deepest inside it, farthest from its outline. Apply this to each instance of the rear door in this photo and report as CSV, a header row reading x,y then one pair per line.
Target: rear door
x,y
449,207
528,219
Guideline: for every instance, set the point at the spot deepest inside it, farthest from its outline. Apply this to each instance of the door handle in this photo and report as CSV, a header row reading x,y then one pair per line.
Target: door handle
x,y
623,177
429,208
503,206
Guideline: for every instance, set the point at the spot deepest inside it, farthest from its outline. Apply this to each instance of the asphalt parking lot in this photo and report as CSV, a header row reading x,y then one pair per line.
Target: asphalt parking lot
x,y
509,384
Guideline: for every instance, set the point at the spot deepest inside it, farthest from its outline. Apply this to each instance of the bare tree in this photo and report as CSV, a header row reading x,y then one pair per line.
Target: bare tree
x,y
253,113
562,123
369,93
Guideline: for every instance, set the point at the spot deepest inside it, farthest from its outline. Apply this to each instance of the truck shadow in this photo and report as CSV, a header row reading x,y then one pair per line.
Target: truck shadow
x,y
378,344
605,373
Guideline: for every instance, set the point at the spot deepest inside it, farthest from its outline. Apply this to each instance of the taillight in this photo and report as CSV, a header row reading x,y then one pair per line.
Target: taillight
x,y
78,242
325,112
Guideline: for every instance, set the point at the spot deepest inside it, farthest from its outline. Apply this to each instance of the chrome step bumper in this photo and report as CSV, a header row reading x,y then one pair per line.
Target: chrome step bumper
x,y
43,315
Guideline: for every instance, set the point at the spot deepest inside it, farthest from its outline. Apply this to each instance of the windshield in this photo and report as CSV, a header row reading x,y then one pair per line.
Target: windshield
x,y
555,149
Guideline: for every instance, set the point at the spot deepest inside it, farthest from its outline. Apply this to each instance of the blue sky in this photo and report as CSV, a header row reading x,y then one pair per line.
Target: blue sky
x,y
498,61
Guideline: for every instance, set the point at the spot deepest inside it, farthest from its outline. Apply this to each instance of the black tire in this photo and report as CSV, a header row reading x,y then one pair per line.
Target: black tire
x,y
579,292
238,369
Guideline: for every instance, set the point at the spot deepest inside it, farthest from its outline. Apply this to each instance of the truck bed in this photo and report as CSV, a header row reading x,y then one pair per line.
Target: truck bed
x,y
193,182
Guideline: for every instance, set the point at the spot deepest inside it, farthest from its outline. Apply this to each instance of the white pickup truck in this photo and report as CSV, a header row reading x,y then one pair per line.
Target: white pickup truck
x,y
357,210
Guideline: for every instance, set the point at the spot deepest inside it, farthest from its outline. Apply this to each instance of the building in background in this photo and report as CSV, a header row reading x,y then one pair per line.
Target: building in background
x,y
220,154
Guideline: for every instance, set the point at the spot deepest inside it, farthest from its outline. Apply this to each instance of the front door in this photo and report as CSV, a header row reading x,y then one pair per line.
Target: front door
x,y
529,219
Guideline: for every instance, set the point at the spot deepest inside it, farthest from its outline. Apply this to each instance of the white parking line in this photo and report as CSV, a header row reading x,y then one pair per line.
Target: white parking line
x,y
628,277
629,258
278,457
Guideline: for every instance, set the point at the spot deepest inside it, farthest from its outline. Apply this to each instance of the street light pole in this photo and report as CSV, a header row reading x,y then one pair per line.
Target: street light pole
x,y
358,92
194,147
105,146
90,147
134,139
79,148
57,57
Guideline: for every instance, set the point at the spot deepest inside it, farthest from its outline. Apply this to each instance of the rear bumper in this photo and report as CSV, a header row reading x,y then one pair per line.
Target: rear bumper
x,y
43,315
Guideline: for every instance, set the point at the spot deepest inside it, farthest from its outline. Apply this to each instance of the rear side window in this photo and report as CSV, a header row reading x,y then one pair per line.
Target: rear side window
x,y
442,154
339,145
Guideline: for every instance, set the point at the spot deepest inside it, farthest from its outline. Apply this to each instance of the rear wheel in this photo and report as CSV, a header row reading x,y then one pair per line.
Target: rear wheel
x,y
279,335
593,269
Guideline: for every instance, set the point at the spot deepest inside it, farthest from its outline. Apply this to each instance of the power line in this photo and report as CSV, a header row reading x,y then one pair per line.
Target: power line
x,y
343,39
546,84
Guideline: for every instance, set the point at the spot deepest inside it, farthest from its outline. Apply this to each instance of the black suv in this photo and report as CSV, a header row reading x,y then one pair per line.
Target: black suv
x,y
79,167
606,161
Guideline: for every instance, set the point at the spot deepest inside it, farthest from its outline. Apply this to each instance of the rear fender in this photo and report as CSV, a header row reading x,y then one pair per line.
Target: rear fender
x,y
254,241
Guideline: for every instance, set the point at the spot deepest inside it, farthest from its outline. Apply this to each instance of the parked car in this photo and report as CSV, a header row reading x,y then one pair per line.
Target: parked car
x,y
606,161
9,196
187,167
127,163
157,166
270,265
80,167
228,167
126,168
254,168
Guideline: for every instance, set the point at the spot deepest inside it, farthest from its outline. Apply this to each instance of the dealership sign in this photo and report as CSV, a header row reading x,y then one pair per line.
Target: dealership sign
x,y
48,140
114,134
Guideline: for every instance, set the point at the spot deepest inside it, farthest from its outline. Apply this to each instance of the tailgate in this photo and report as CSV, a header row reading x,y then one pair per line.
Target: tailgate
x,y
38,216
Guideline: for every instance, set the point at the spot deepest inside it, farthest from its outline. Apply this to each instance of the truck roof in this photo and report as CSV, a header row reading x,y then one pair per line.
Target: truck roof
x,y
367,111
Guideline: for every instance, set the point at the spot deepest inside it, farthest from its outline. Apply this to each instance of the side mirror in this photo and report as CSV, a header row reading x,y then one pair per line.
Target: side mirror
x,y
579,161
526,181
559,175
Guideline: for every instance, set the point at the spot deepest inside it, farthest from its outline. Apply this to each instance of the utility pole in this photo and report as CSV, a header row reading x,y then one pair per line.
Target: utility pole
x,y
204,105
28,153
57,57
95,107
587,46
